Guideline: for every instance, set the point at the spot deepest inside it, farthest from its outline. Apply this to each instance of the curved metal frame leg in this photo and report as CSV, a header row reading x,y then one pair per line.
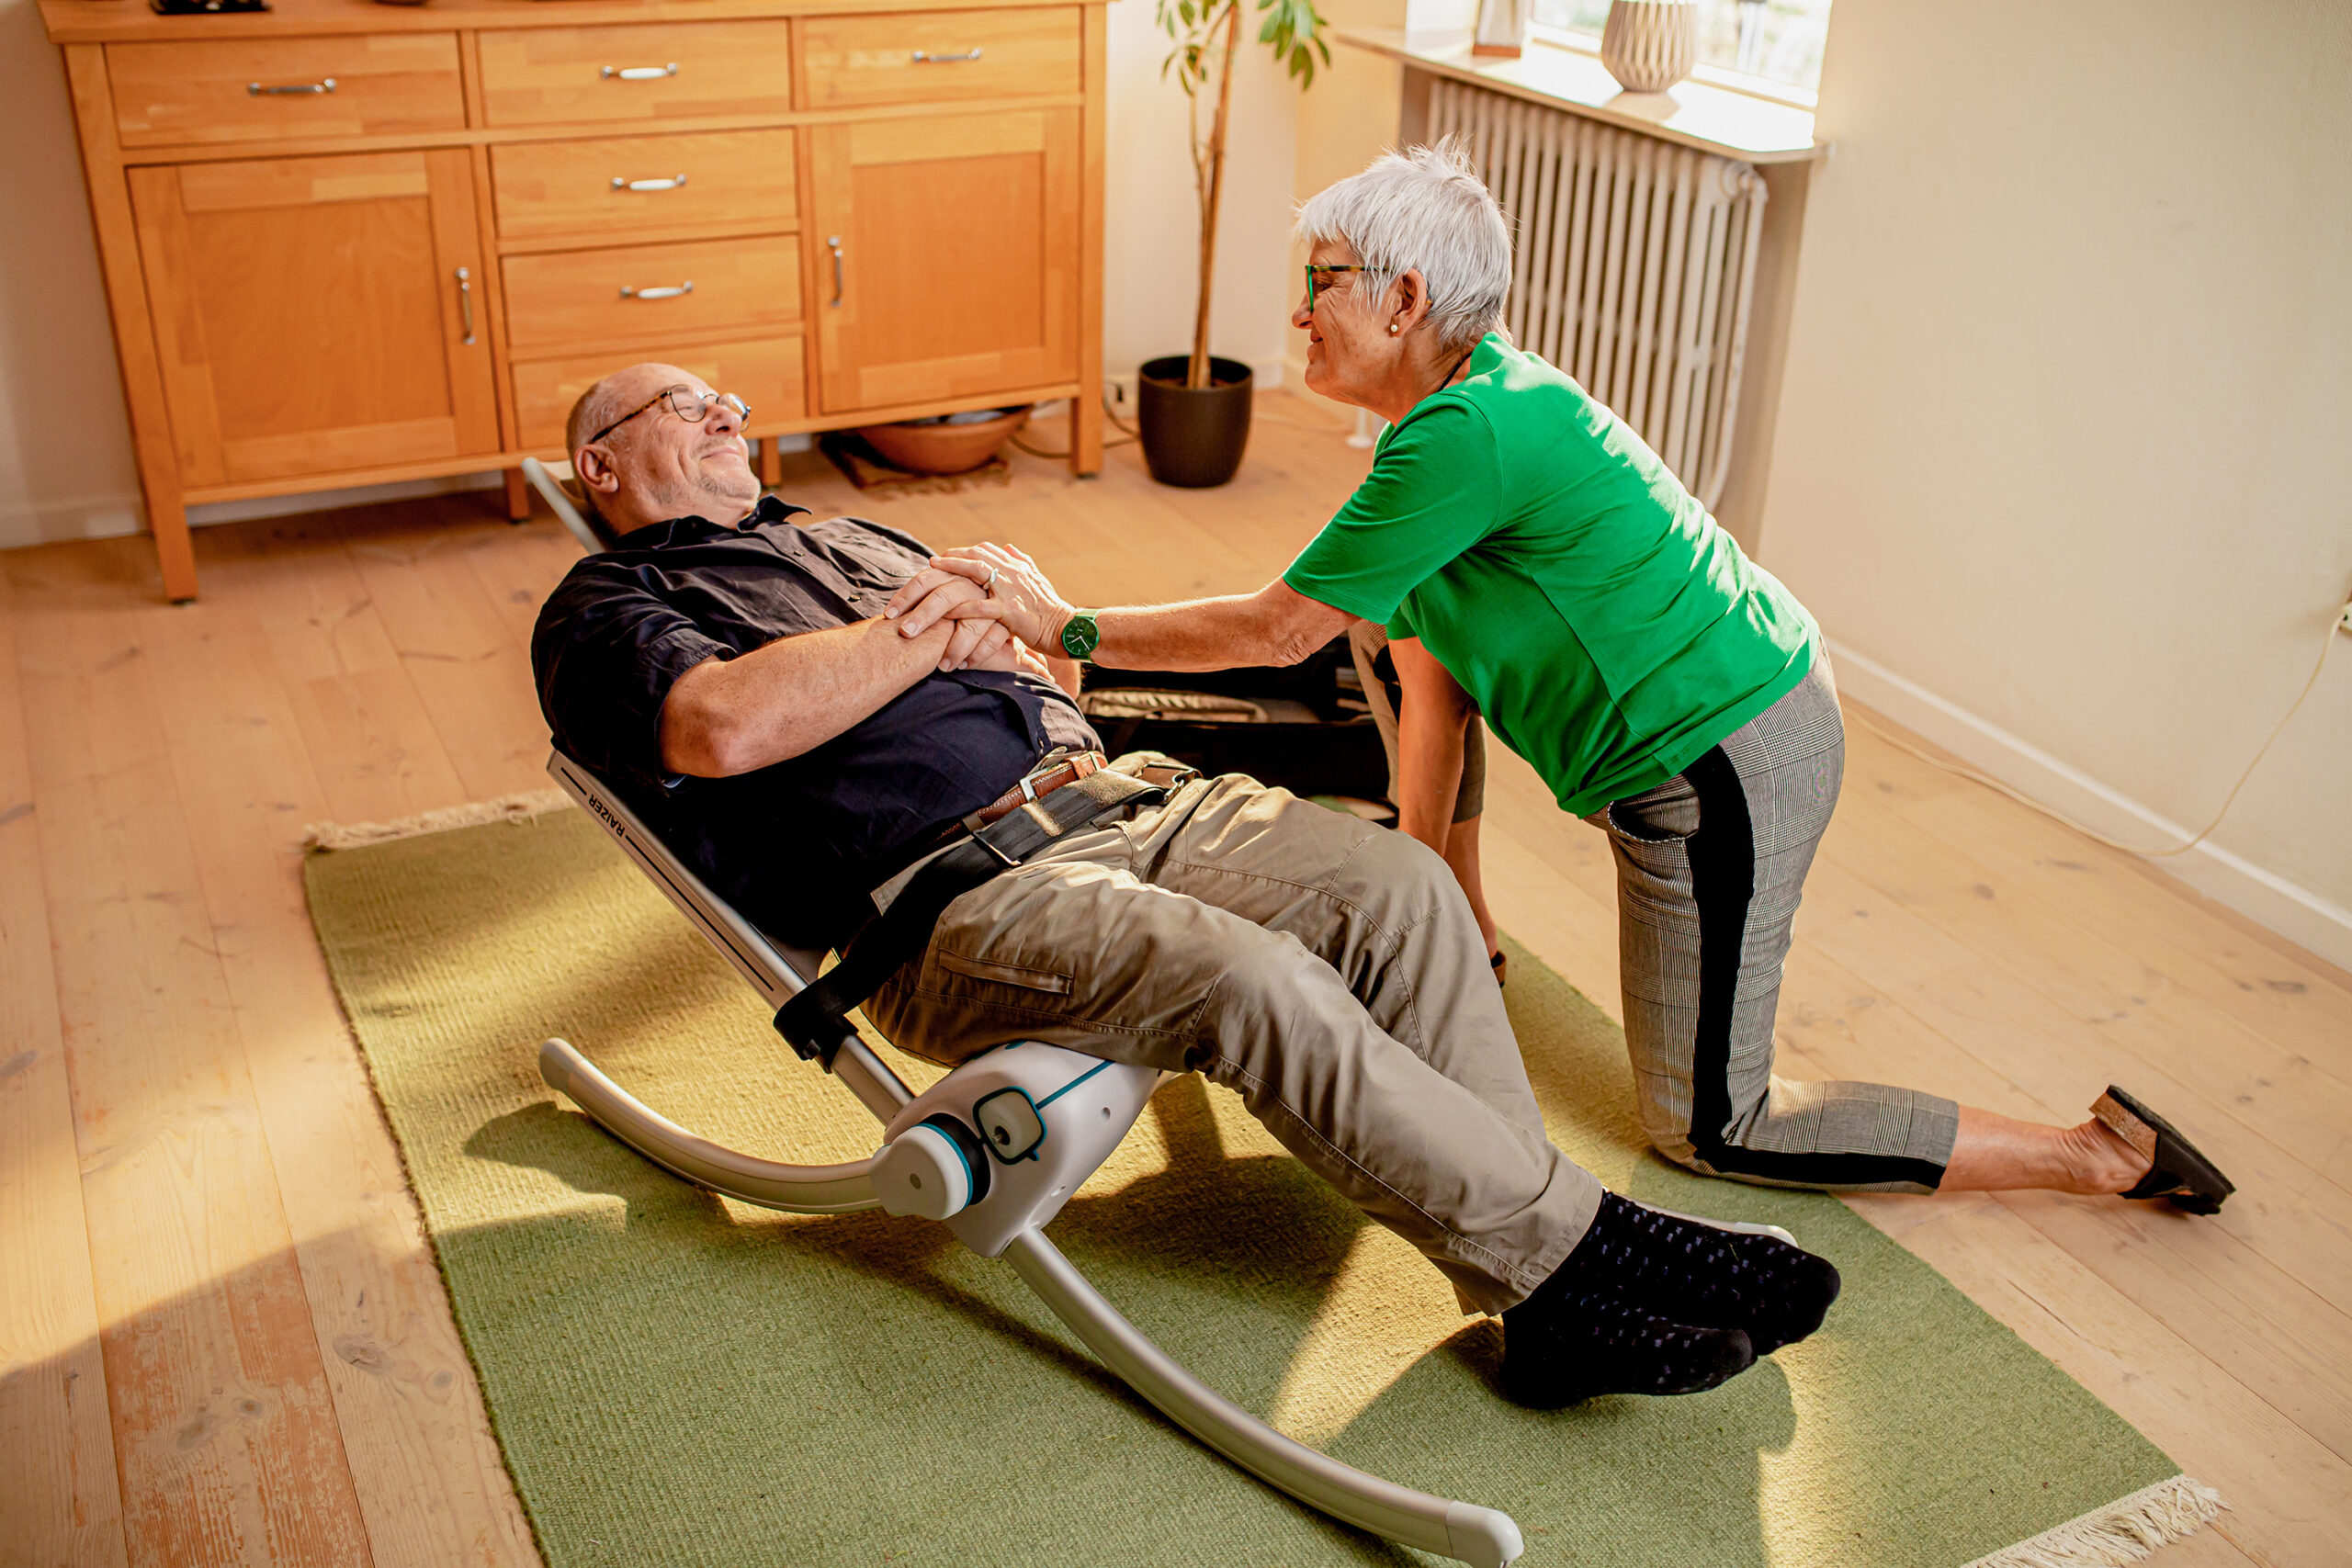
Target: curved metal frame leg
x,y
796,1189
1483,1536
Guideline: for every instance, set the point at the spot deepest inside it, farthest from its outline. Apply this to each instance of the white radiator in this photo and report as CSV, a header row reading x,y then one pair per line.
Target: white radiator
x,y
1632,267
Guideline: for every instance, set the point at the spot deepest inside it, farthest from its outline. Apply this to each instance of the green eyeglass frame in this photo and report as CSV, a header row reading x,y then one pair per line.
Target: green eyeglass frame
x,y
1317,283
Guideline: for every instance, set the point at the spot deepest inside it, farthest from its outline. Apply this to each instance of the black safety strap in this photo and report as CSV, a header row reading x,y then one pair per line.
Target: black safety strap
x,y
816,1022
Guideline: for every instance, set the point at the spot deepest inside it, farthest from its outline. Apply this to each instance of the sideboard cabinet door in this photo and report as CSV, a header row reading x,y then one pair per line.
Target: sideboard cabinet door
x,y
317,316
944,256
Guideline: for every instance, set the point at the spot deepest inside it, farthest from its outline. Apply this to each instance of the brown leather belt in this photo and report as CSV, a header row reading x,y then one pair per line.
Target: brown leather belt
x,y
1073,768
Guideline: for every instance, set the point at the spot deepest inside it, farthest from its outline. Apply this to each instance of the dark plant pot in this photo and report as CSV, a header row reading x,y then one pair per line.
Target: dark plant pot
x,y
1193,438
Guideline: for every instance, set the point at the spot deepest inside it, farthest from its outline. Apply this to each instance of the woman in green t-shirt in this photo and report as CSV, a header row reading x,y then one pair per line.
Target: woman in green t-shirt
x,y
1532,561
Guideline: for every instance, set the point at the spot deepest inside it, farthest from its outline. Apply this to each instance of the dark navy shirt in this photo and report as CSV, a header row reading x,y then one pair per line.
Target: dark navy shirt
x,y
799,845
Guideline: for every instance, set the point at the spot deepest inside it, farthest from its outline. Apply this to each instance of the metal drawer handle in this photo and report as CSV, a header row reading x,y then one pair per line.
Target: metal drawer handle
x,y
833,243
923,58
673,183
665,292
639,73
255,90
466,301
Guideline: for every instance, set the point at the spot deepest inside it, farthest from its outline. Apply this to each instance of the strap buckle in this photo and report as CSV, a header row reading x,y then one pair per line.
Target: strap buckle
x,y
983,838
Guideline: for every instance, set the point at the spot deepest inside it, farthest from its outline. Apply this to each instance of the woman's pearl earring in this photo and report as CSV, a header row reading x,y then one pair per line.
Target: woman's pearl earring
x,y
1392,329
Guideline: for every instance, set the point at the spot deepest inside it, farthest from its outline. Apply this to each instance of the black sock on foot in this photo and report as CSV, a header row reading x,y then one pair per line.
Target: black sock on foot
x,y
1570,1341
1701,1275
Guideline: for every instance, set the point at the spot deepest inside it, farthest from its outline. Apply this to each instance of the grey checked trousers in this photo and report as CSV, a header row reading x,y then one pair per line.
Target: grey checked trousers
x,y
1709,867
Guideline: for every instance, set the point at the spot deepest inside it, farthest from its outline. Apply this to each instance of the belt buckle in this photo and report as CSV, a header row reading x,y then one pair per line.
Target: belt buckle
x,y
1052,762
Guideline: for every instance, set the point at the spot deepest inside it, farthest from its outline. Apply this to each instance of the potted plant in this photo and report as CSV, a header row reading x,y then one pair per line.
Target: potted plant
x,y
1193,410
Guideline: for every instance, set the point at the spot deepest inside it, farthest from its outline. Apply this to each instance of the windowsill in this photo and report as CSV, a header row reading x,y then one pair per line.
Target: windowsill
x,y
1736,122
1730,81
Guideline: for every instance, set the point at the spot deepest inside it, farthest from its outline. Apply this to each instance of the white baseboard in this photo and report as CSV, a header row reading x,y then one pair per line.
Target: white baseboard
x,y
107,516
2263,896
1295,365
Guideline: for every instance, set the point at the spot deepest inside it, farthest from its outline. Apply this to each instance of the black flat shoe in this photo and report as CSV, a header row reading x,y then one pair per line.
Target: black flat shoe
x,y
2182,1174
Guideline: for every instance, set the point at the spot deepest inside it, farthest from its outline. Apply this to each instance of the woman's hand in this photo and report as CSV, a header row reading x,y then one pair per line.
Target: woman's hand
x,y
1017,596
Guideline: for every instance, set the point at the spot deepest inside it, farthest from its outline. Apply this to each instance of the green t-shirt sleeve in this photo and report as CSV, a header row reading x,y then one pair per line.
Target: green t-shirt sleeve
x,y
1434,491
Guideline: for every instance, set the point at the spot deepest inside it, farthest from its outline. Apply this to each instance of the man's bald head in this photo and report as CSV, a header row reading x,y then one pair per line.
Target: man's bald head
x,y
599,405
658,465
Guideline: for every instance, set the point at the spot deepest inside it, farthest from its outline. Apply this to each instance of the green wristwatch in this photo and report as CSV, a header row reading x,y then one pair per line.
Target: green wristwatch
x,y
1081,636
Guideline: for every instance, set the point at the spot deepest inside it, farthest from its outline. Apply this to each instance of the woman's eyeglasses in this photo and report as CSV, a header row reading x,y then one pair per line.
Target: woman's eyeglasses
x,y
686,403
1319,278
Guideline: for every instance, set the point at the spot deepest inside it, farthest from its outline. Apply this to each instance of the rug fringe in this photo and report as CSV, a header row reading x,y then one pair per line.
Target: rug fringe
x,y
2122,1532
474,813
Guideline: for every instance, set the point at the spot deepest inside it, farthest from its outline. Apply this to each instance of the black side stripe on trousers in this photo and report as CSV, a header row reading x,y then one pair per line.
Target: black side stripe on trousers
x,y
1723,883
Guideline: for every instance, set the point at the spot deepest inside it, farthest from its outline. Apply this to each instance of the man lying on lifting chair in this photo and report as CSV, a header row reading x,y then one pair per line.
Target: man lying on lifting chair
x,y
730,671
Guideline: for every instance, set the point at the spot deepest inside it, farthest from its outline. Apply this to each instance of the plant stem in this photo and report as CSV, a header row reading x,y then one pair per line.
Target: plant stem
x,y
1212,194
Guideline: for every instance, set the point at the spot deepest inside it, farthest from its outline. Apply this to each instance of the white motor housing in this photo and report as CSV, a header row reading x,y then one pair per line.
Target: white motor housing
x,y
1040,1119
922,1172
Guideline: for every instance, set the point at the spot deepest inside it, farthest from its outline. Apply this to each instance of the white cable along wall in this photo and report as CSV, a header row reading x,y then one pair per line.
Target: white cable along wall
x,y
1632,268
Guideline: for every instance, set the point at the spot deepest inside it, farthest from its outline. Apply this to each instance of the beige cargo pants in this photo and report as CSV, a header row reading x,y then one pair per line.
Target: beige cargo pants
x,y
1326,971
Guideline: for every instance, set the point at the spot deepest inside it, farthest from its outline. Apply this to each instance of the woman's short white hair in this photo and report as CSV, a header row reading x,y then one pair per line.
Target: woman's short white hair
x,y
1424,208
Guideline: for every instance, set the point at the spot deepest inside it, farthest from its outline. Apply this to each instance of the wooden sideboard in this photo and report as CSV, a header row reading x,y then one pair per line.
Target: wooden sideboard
x,y
348,242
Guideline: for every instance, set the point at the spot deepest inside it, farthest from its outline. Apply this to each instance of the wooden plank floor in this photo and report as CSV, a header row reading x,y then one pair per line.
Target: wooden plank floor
x,y
222,1339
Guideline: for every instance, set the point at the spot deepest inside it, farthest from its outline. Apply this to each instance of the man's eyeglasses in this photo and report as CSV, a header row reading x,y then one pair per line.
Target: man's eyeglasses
x,y
686,403
1319,278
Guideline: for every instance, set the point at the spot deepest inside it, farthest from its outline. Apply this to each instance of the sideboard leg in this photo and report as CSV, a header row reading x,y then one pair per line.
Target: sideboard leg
x,y
173,549
770,463
518,497
1085,434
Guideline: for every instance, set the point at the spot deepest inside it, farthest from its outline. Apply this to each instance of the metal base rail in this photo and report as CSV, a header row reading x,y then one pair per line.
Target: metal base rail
x,y
1486,1537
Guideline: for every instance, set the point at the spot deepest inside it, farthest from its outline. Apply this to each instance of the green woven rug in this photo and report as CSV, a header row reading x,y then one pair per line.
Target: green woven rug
x,y
678,1379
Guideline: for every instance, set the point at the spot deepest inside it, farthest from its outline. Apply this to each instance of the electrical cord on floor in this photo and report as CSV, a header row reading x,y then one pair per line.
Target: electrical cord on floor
x,y
1997,787
1133,436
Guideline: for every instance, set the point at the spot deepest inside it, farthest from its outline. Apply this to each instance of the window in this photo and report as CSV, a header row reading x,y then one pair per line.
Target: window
x,y
1779,41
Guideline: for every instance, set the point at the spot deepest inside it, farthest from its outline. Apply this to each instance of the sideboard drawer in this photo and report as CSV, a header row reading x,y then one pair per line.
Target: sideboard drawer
x,y
764,372
635,74
217,90
616,185
915,57
651,293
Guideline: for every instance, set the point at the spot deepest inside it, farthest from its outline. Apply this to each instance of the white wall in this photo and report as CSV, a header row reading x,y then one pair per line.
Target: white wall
x,y
65,464
1345,121
1151,217
65,467
2064,441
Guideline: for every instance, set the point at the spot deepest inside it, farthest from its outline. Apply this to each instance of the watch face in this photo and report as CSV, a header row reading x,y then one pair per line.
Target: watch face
x,y
1079,634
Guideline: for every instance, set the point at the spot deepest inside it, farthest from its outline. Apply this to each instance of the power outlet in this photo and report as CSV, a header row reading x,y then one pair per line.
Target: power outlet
x,y
2344,621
